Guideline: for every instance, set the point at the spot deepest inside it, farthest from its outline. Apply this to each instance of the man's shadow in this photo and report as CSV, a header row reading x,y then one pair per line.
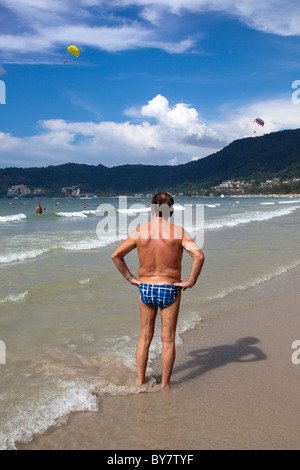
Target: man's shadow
x,y
205,360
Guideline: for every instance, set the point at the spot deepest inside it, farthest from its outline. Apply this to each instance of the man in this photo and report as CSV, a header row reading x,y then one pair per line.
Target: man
x,y
39,209
160,246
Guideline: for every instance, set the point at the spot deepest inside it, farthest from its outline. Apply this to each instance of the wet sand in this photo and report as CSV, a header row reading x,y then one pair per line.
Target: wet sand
x,y
238,387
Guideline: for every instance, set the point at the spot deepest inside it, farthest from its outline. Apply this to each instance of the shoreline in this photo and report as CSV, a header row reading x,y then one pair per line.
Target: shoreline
x,y
237,385
289,195
138,196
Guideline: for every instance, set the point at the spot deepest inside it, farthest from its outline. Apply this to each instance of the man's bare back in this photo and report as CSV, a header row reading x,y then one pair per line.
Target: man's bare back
x,y
160,251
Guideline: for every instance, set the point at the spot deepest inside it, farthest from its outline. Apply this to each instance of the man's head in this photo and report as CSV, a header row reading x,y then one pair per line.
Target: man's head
x,y
162,205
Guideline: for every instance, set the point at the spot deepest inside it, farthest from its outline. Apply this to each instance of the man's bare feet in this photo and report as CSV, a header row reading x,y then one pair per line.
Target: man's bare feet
x,y
169,386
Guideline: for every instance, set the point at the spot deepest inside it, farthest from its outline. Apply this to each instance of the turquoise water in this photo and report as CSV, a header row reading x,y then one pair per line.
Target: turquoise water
x,y
70,322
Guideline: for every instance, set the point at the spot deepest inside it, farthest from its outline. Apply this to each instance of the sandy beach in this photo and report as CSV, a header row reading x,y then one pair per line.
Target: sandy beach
x,y
238,387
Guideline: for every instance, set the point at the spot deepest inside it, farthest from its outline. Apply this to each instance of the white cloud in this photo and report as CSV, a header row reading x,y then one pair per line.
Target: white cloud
x,y
111,143
278,114
166,135
180,117
272,16
38,27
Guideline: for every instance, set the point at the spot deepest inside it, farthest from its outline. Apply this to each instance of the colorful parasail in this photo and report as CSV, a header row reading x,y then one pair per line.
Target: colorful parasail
x,y
260,122
72,50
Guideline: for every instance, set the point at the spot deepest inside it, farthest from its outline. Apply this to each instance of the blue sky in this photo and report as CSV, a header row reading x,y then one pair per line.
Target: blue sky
x,y
156,82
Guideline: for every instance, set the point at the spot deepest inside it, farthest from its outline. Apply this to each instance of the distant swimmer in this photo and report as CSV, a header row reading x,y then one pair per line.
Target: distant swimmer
x,y
84,206
39,210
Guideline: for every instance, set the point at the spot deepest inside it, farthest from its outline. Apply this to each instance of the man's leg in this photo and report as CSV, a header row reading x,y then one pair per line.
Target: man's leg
x,y
148,316
169,318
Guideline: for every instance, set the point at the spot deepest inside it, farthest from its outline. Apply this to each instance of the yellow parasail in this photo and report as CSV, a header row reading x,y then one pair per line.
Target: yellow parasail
x,y
73,50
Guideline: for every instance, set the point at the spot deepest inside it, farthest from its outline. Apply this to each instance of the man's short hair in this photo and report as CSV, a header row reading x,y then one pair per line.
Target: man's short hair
x,y
162,204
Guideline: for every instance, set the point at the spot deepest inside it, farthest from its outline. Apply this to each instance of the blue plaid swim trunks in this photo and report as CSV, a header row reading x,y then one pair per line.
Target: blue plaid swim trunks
x,y
158,295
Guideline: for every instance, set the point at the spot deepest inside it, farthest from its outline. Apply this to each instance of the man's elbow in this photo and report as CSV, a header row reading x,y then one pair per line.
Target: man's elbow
x,y
200,256
114,256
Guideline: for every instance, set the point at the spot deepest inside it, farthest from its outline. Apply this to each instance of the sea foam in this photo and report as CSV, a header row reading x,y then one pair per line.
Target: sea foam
x,y
296,201
12,218
255,282
14,297
22,256
53,411
79,214
245,218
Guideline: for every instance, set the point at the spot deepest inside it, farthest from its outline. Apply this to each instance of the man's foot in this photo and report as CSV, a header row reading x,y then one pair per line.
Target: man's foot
x,y
169,386
149,381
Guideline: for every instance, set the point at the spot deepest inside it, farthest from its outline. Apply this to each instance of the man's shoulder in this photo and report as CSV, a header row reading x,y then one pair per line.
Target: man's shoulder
x,y
140,231
177,229
150,230
144,227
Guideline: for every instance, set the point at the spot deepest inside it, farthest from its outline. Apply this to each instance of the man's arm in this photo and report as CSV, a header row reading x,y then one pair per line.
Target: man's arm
x,y
118,258
198,260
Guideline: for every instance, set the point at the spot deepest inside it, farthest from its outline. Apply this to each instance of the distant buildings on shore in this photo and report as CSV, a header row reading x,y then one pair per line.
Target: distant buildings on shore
x,y
244,187
21,190
229,187
18,190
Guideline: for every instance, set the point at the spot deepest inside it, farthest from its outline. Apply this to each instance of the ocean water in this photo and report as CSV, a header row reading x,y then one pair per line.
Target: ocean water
x,y
69,321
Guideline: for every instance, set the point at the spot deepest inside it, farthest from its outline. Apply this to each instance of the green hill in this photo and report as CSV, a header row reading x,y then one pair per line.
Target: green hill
x,y
275,155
